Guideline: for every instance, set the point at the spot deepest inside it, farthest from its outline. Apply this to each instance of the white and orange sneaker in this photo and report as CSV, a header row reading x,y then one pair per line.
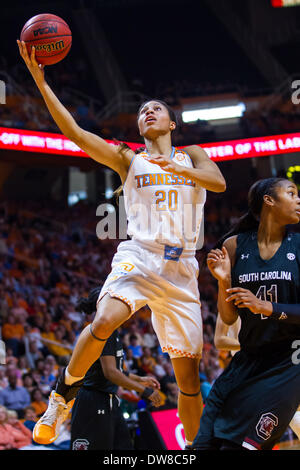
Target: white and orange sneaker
x,y
48,426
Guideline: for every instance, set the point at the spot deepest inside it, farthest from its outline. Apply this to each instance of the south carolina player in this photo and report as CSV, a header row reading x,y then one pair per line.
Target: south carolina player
x,y
165,190
226,338
258,270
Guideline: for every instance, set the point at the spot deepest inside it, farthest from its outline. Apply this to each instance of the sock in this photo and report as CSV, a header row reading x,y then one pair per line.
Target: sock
x,y
295,424
69,379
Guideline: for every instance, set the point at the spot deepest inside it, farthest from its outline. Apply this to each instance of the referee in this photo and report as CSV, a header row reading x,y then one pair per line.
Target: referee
x,y
97,420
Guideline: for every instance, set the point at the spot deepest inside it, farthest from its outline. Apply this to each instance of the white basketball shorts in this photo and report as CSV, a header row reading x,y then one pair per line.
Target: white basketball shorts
x,y
166,280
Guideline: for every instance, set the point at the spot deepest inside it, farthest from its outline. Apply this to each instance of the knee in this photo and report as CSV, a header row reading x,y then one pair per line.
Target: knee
x,y
189,383
102,326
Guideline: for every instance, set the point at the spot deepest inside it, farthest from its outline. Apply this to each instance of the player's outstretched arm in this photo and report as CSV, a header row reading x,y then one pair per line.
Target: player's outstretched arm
x,y
96,147
205,172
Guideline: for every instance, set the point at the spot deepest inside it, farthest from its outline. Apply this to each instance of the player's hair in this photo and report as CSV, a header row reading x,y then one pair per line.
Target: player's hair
x,y
123,147
171,112
89,304
250,221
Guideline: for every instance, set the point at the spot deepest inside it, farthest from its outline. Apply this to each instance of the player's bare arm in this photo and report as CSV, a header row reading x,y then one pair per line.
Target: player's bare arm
x,y
205,172
96,147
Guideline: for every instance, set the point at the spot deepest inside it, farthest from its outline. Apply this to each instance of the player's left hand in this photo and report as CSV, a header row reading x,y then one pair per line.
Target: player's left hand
x,y
244,298
164,162
151,382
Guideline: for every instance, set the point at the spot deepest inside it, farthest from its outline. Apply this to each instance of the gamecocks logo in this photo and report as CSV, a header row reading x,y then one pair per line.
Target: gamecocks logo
x,y
80,444
266,425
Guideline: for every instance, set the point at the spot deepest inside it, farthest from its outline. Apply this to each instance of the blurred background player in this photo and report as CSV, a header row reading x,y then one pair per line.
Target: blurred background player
x,y
158,266
97,419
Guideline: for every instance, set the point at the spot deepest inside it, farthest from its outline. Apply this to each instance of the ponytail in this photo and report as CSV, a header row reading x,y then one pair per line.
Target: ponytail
x,y
123,148
245,224
88,305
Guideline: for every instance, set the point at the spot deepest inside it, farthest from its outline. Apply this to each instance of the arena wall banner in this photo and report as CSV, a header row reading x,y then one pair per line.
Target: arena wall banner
x,y
285,3
170,428
58,144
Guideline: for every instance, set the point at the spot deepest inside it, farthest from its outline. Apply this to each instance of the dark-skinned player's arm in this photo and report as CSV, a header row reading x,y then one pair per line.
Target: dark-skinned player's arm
x,y
219,263
96,147
131,381
239,297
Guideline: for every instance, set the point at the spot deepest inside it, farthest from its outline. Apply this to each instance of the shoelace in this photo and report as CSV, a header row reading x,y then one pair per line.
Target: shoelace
x,y
55,409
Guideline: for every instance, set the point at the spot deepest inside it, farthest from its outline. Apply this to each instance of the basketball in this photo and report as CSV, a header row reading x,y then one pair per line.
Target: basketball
x,y
51,37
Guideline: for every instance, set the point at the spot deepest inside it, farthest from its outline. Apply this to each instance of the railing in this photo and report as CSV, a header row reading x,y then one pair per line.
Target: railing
x,y
122,102
11,85
281,92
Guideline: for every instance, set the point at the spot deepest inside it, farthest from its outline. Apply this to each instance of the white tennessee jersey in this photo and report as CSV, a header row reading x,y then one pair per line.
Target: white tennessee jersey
x,y
161,207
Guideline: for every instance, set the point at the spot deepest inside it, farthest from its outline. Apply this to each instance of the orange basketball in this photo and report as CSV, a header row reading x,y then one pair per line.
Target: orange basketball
x,y
51,37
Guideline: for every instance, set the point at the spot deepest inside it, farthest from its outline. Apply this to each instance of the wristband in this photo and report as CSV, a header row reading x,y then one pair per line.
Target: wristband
x,y
290,313
146,393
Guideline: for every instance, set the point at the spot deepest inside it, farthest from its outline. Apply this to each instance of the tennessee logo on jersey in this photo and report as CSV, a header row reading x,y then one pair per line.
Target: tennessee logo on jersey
x,y
162,206
157,179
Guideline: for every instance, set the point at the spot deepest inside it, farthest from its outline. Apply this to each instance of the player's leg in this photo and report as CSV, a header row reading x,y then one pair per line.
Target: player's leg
x,y
111,313
260,424
91,425
190,403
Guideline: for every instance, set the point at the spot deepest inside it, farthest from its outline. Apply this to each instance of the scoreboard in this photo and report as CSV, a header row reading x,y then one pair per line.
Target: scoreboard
x,y
285,3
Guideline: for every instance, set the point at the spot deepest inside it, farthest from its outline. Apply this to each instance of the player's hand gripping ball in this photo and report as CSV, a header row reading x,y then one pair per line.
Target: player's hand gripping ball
x,y
51,37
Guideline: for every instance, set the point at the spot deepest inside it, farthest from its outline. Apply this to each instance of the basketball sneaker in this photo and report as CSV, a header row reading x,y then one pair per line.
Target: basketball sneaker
x,y
47,428
60,404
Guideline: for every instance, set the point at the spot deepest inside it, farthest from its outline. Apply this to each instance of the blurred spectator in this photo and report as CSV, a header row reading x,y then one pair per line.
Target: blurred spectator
x,y
146,362
135,347
133,330
130,362
47,379
13,333
3,378
30,417
22,435
172,395
14,397
33,353
159,369
149,337
38,402
7,441
60,347
29,382
169,377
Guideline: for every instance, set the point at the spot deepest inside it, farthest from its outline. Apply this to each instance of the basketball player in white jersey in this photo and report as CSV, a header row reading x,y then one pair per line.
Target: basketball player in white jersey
x,y
157,266
226,338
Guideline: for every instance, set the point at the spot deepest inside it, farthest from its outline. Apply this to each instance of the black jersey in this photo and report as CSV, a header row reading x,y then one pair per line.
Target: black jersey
x,y
274,280
95,378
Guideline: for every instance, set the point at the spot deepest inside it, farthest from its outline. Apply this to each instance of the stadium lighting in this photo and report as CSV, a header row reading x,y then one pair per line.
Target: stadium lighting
x,y
214,114
109,193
